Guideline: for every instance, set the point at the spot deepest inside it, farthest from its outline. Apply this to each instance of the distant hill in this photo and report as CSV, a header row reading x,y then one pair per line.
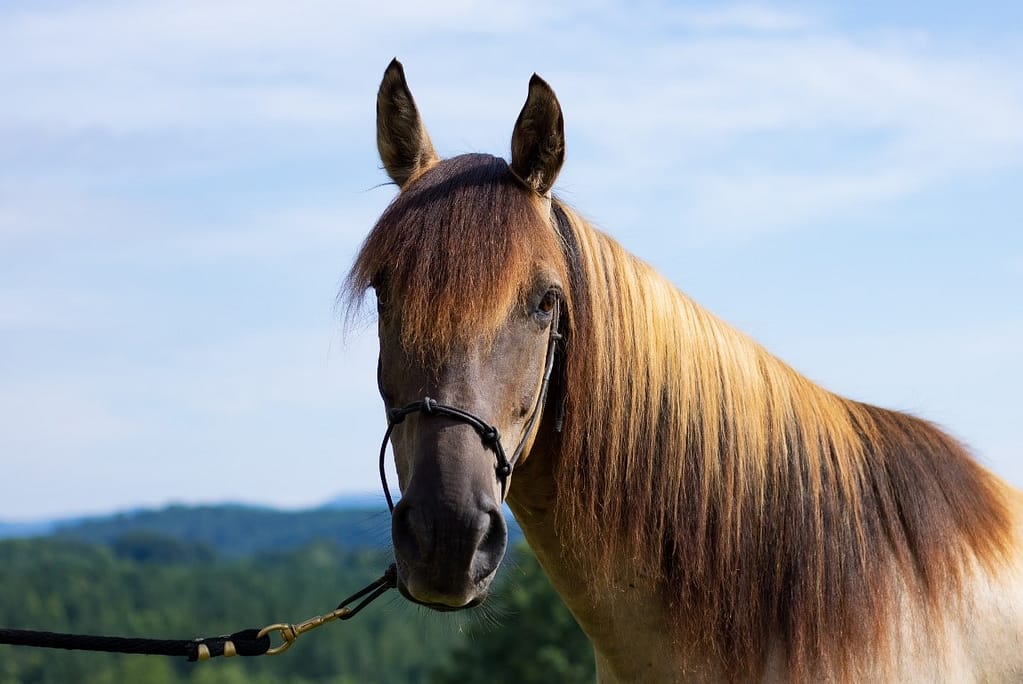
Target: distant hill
x,y
236,530
357,501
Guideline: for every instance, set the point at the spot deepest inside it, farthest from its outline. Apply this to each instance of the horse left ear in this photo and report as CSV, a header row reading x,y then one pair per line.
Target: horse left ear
x,y
402,140
538,141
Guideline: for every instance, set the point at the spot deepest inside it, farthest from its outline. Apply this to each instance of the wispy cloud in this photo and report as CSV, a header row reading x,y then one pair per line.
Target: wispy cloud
x,y
677,111
698,116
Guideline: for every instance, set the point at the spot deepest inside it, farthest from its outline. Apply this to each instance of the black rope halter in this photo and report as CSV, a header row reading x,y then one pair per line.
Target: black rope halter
x,y
488,433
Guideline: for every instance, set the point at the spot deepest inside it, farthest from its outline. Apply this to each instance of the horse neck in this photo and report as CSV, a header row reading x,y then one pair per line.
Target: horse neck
x,y
710,480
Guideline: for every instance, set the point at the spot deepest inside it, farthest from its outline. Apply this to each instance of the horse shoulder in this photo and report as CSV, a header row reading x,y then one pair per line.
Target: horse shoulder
x,y
990,629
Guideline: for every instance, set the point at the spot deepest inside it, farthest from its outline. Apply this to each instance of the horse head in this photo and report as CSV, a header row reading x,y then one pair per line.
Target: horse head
x,y
469,274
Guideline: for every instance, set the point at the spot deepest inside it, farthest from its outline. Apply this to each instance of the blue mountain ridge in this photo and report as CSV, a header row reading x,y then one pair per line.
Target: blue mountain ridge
x,y
231,529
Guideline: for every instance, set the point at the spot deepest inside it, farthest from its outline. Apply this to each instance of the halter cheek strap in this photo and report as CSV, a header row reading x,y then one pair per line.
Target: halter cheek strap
x,y
488,433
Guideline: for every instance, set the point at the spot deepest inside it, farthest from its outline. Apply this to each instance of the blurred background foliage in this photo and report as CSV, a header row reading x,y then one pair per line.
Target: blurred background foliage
x,y
178,573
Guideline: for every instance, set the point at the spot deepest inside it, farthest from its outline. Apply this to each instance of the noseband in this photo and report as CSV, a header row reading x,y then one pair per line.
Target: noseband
x,y
487,432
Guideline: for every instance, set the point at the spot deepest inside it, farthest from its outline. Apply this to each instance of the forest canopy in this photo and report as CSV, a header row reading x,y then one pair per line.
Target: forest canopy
x,y
167,579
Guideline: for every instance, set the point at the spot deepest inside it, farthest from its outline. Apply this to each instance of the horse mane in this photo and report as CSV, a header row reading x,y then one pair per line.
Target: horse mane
x,y
777,514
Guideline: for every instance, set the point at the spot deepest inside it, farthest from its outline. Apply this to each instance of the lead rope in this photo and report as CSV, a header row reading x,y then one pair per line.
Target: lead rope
x,y
246,642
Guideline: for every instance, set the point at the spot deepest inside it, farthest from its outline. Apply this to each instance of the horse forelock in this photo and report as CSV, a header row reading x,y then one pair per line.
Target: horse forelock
x,y
777,515
454,253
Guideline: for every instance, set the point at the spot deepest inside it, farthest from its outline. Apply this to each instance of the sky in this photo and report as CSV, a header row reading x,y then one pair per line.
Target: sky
x,y
184,184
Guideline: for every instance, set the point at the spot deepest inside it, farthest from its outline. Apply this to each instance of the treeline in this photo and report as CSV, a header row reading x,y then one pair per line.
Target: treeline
x,y
143,583
236,530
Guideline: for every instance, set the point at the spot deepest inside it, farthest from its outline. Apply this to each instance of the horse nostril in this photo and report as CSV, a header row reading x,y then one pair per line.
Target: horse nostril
x,y
406,544
493,541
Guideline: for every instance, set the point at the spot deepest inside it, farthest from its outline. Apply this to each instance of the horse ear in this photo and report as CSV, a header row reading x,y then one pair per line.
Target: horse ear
x,y
538,141
402,140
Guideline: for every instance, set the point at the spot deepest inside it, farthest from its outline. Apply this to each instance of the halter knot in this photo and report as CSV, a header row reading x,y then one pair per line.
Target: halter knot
x,y
428,405
490,435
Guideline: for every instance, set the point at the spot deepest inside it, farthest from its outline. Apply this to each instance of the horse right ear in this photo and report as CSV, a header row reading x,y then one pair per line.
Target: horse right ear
x,y
404,146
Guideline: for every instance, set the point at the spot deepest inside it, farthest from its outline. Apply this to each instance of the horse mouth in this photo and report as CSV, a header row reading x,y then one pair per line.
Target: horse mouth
x,y
440,606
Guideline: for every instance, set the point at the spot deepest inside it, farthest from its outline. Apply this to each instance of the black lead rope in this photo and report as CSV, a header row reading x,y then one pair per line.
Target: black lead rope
x,y
246,642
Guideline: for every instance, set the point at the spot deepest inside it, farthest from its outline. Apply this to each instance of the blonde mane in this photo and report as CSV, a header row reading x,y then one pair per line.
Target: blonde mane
x,y
777,513
780,517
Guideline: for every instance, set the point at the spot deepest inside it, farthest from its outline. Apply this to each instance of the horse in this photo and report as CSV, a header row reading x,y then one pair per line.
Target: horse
x,y
706,512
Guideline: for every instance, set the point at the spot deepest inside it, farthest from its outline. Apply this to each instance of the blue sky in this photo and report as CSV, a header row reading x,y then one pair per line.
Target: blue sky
x,y
183,185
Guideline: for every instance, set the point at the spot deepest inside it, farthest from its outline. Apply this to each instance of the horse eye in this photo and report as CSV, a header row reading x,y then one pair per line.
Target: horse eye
x,y
547,303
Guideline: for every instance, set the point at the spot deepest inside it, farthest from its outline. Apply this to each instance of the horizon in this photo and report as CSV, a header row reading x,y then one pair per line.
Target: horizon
x,y
183,186
355,500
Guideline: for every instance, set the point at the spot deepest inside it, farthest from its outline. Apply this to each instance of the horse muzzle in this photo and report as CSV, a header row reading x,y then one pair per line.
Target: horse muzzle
x,y
447,556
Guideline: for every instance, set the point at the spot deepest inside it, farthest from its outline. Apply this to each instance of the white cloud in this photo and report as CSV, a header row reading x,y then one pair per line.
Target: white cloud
x,y
695,123
127,66
679,111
